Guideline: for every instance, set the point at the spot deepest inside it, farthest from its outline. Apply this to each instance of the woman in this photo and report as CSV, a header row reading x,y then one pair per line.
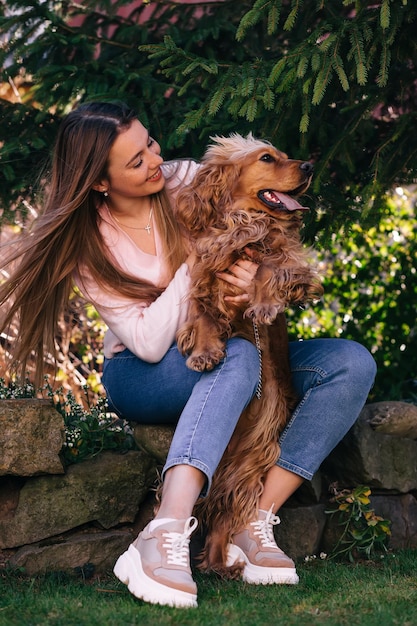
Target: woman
x,y
108,224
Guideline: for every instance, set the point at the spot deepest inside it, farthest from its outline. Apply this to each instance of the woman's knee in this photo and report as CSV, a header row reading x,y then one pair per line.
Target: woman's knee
x,y
354,358
245,358
341,361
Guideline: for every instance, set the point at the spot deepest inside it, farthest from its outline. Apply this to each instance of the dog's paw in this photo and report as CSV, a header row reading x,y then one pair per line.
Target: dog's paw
x,y
204,361
263,313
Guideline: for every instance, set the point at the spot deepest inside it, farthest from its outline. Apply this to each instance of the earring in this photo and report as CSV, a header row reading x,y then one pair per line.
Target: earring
x,y
105,194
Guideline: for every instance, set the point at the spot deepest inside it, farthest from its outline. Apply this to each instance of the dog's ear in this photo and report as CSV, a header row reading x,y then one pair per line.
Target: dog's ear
x,y
200,203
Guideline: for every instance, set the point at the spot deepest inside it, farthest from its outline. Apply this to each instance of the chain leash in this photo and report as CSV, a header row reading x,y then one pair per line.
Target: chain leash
x,y
258,392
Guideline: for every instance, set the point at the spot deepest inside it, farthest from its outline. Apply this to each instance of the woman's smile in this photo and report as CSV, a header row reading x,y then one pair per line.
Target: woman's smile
x,y
155,177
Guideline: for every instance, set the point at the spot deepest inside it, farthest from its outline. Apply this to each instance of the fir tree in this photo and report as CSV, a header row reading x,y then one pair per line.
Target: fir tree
x,y
329,80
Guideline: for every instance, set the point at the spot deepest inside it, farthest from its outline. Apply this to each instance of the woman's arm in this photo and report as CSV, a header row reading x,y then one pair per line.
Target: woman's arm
x,y
146,330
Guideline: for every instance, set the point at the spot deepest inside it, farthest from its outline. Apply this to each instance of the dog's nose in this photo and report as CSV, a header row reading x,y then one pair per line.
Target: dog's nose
x,y
307,167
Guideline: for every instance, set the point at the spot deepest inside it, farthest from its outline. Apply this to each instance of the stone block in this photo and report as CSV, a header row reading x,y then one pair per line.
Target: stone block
x,y
155,440
378,460
32,433
398,419
96,552
401,510
300,530
106,490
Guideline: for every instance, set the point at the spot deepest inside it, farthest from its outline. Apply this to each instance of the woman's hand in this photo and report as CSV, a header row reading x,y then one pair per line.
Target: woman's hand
x,y
240,275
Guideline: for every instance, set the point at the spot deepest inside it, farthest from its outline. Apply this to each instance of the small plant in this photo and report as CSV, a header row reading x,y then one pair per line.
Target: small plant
x,y
363,532
88,431
12,391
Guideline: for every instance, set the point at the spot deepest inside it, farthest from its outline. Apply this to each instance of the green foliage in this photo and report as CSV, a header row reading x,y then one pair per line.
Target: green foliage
x,y
85,333
370,291
13,391
88,431
327,80
363,532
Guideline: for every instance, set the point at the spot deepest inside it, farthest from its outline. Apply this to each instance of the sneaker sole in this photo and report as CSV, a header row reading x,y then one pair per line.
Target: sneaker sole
x,y
257,575
128,569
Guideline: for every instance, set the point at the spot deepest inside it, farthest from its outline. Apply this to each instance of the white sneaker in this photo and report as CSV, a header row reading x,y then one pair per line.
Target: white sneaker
x,y
156,566
255,546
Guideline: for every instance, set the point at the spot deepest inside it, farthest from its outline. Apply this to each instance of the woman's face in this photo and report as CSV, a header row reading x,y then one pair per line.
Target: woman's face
x,y
134,164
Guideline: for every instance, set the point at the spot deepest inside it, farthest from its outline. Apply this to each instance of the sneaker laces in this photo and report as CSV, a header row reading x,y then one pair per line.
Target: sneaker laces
x,y
264,529
176,544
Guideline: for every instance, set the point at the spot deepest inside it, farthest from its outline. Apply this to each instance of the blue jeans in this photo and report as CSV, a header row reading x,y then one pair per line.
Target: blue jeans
x,y
205,406
332,378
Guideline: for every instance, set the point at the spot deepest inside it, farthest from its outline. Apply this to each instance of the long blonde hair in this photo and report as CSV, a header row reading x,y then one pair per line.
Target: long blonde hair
x,y
66,235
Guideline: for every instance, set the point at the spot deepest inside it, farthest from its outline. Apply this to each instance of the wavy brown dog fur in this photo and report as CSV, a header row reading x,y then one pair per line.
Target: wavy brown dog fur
x,y
234,207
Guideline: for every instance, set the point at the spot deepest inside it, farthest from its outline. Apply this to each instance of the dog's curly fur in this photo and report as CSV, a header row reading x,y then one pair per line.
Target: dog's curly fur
x,y
235,206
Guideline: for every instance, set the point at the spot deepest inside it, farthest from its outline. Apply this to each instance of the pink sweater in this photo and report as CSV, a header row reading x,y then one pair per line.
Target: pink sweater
x,y
147,330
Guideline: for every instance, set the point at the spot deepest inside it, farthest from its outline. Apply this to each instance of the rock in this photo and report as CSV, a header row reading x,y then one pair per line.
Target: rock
x,y
155,440
32,433
378,460
300,530
107,490
402,512
89,552
398,419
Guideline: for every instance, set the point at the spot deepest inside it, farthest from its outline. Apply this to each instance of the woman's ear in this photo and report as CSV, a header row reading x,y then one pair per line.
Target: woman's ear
x,y
101,186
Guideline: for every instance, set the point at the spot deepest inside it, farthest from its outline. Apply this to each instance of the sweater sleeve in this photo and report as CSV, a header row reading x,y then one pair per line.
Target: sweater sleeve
x,y
147,330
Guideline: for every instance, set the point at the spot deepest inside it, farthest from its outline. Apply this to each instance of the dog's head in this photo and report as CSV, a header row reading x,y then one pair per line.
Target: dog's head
x,y
236,168
261,171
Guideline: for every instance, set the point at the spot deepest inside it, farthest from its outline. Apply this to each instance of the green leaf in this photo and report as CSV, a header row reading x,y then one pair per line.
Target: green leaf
x,y
322,81
249,109
216,101
268,99
276,71
304,123
273,18
302,66
337,64
385,13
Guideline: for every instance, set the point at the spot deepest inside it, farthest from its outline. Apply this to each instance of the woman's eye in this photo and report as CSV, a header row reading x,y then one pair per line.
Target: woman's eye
x,y
150,143
267,157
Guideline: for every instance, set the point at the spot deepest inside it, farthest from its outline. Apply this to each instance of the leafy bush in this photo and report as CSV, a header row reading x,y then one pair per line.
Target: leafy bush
x,y
90,431
363,532
370,282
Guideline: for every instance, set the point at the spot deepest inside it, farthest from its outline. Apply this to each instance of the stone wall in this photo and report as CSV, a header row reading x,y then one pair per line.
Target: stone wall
x,y
85,515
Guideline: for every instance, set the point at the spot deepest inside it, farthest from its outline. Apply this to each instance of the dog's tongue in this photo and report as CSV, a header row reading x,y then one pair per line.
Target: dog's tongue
x,y
290,203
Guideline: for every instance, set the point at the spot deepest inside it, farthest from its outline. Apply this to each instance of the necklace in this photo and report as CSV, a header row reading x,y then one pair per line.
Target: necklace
x,y
147,227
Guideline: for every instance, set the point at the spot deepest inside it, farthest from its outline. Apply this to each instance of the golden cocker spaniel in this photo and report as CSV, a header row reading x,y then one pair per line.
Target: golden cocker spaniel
x,y
242,202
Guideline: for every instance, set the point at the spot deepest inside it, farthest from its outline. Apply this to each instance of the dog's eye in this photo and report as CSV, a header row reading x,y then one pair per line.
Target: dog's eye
x,y
267,157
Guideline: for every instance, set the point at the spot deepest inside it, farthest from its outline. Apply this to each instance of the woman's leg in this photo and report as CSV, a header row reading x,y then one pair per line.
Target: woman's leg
x,y
332,378
156,566
204,406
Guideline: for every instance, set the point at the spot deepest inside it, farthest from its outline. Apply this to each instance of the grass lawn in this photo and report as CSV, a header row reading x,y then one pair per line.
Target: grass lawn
x,y
373,593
